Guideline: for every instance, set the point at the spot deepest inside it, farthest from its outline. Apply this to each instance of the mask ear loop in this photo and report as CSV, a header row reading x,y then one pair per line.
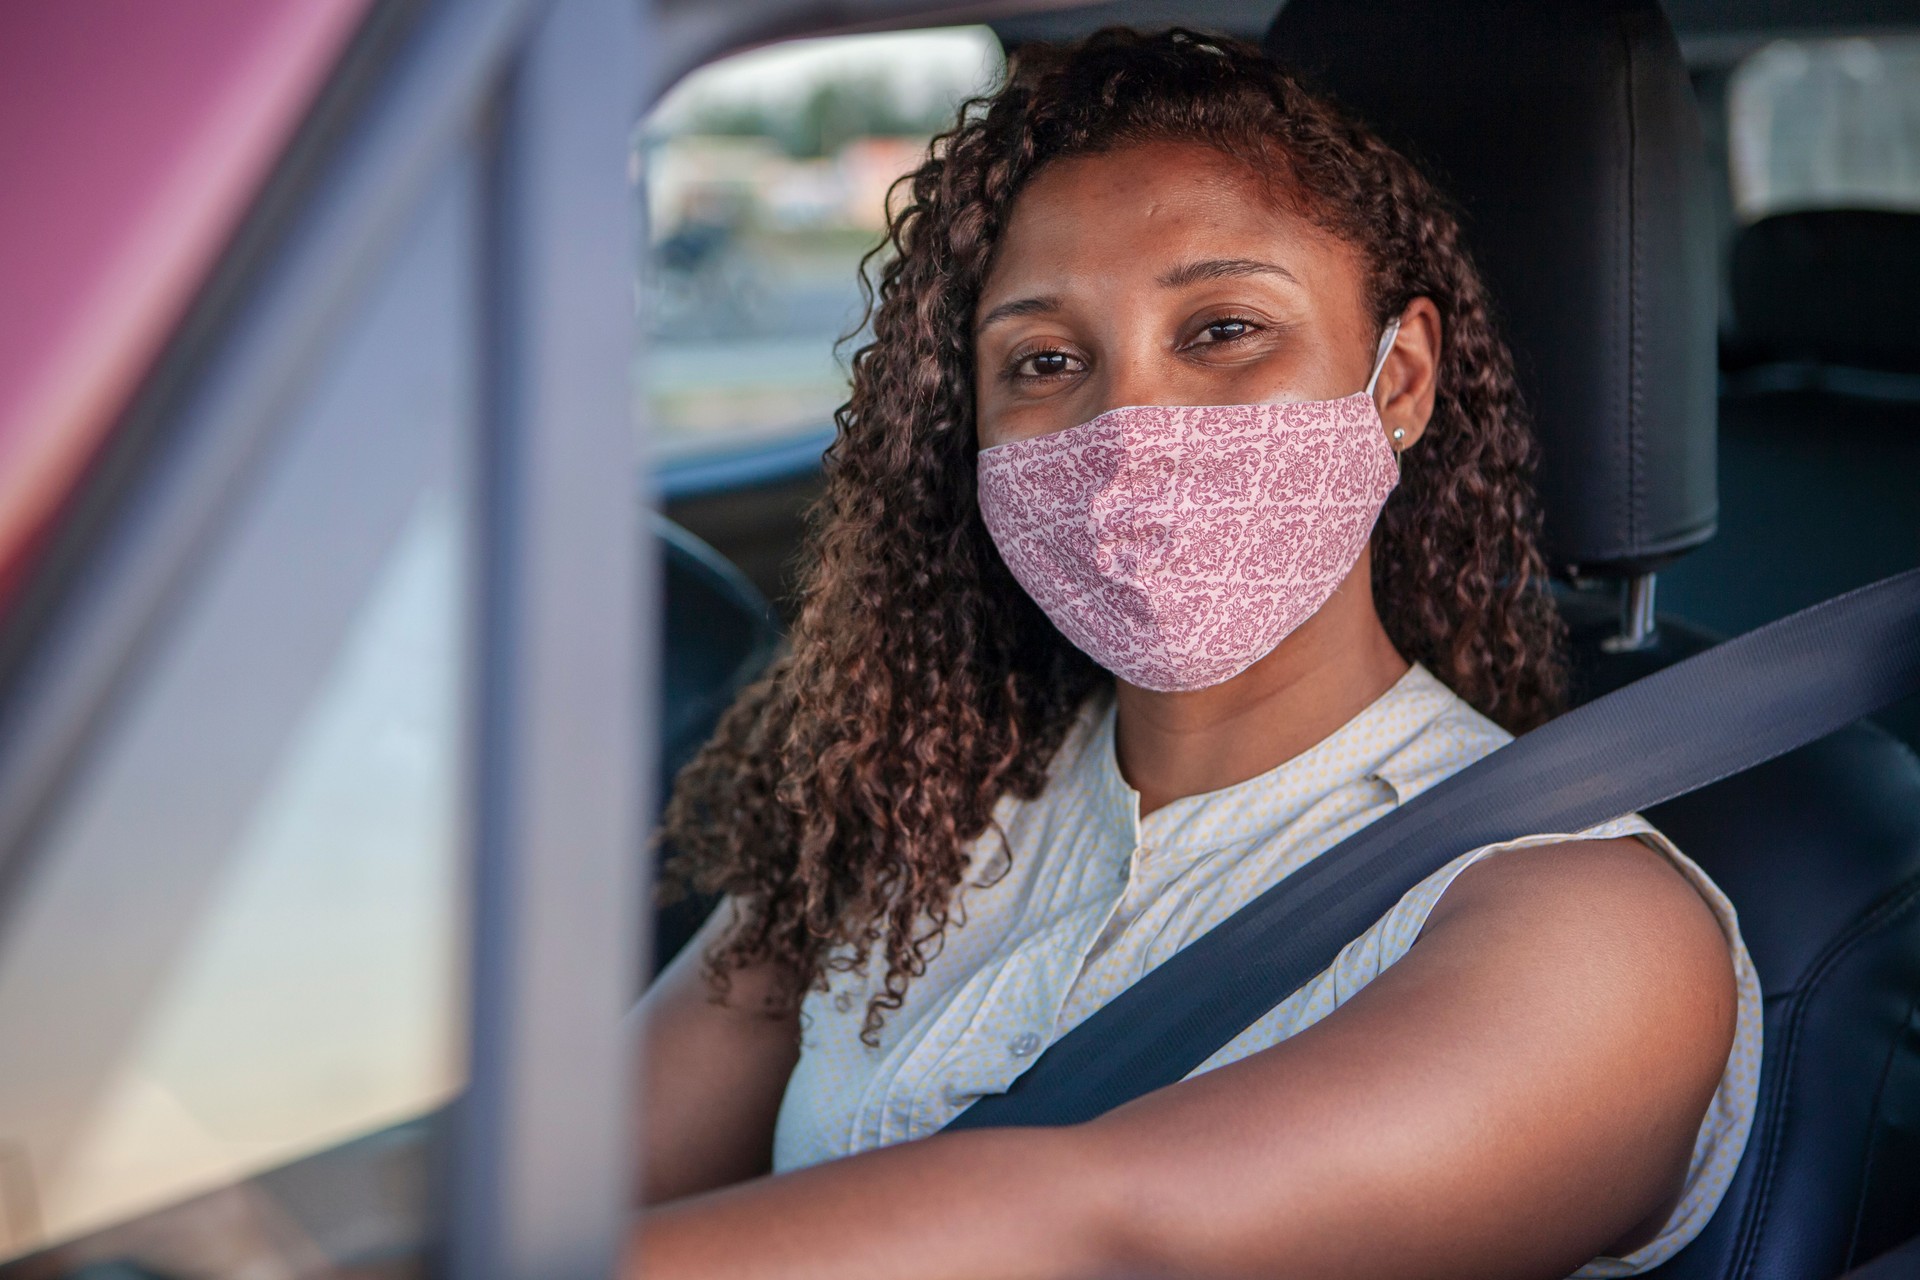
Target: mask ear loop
x,y
1387,336
1380,362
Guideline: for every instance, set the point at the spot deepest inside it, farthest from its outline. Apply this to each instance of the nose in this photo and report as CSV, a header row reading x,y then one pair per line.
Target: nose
x,y
1136,373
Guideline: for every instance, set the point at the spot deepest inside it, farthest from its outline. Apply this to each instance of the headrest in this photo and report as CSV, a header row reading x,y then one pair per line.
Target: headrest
x,y
1830,286
1568,135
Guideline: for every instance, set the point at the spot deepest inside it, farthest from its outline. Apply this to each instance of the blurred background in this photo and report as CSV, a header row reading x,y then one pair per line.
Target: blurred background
x,y
766,179
236,970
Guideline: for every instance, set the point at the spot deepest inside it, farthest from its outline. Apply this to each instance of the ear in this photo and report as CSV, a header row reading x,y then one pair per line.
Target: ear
x,y
1410,375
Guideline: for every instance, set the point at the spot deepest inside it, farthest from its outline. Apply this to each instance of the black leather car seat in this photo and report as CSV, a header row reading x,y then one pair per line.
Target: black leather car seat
x,y
1568,135
720,634
1819,423
1827,290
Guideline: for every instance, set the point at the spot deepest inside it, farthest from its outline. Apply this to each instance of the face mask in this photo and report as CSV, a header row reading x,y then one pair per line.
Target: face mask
x,y
1178,546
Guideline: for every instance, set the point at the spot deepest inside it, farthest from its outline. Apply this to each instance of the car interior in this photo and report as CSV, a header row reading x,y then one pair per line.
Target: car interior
x,y
1722,371
1727,414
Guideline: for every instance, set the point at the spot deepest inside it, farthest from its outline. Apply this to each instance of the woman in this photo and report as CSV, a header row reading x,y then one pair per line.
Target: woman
x,y
1178,527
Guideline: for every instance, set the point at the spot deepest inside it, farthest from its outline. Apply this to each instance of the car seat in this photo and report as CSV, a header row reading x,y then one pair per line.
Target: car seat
x,y
720,635
1819,423
1569,137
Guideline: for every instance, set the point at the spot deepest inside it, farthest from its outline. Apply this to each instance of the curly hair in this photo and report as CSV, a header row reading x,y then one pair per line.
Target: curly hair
x,y
837,803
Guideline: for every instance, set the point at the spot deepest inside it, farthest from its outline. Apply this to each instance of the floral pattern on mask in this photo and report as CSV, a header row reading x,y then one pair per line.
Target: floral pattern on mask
x,y
1178,546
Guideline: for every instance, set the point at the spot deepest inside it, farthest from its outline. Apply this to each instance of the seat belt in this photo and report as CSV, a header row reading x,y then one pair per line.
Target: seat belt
x,y
1713,715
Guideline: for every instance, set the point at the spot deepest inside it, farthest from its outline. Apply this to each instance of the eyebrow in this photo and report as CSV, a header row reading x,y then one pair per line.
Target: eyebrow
x,y
1020,307
1185,274
1222,269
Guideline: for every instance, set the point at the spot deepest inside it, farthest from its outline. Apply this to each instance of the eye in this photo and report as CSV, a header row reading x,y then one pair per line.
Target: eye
x,y
1225,329
1048,362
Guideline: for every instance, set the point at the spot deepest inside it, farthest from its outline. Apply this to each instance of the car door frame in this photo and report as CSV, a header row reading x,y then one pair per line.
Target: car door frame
x,y
544,92
537,1184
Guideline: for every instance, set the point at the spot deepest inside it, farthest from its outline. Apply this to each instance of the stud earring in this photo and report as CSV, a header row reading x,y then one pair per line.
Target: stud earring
x,y
1399,434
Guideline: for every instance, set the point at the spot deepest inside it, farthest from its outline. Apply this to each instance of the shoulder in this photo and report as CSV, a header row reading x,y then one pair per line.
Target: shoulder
x,y
1618,885
1611,922
1459,722
1441,734
1548,1049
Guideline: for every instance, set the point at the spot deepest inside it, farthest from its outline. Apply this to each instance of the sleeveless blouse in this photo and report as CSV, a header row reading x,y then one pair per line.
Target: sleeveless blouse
x,y
1071,897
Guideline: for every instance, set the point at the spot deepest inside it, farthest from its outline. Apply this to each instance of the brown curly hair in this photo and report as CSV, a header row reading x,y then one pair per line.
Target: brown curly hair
x,y
837,802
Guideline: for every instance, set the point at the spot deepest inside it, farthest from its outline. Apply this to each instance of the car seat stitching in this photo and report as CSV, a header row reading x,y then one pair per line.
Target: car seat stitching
x,y
1774,1091
1797,1001
1903,897
1620,348
1873,1138
1636,330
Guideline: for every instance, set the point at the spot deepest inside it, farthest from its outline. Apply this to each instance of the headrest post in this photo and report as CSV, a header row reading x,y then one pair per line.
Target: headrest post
x,y
1637,627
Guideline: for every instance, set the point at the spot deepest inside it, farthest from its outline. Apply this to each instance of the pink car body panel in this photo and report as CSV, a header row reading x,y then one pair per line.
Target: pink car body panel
x,y
134,135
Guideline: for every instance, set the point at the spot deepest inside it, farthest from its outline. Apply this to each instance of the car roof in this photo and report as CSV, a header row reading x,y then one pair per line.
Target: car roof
x,y
133,137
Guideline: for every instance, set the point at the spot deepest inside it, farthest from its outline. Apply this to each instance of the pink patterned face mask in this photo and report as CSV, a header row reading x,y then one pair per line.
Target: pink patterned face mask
x,y
1179,546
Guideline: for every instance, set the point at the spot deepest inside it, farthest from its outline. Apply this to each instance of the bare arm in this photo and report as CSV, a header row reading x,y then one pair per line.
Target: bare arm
x,y
1517,1095
711,1074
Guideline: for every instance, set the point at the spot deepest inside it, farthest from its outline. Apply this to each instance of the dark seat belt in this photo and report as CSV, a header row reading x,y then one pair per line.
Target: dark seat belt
x,y
1714,715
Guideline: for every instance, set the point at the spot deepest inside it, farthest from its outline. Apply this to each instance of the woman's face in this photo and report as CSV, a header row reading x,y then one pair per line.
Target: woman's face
x,y
1162,274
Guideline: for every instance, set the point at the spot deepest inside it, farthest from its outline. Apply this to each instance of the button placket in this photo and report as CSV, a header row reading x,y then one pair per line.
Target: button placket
x,y
958,1060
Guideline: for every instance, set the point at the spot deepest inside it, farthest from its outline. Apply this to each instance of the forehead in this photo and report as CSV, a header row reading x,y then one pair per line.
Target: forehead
x,y
1135,210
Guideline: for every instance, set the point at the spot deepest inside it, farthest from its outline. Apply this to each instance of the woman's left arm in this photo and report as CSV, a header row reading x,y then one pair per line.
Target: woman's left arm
x,y
1517,1095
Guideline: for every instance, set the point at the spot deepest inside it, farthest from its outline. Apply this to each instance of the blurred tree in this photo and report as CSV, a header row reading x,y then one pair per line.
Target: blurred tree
x,y
834,113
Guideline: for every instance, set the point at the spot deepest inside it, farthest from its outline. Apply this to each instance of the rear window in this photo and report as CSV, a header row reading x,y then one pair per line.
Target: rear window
x,y
766,181
1826,124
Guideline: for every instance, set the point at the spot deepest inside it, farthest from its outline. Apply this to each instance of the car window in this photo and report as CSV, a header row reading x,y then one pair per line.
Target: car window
x,y
238,939
1826,124
766,177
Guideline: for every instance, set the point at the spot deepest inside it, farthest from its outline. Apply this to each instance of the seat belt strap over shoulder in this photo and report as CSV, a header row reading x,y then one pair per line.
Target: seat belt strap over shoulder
x,y
1716,714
